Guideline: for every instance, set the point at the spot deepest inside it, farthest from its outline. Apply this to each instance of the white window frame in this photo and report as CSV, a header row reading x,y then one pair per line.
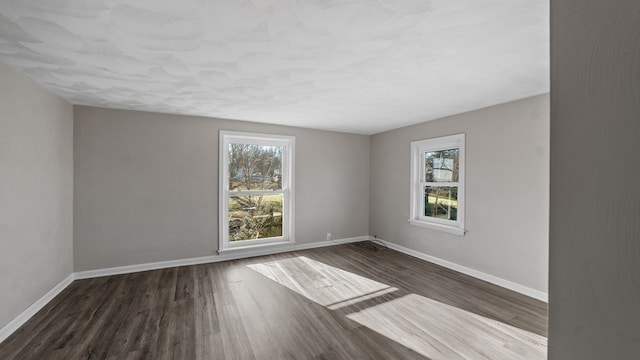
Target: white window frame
x,y
288,143
418,183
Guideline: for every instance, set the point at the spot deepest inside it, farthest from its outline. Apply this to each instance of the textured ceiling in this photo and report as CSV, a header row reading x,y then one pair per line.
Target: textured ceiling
x,y
361,66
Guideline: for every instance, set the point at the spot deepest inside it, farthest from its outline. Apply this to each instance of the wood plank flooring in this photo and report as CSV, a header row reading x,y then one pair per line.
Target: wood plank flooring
x,y
356,301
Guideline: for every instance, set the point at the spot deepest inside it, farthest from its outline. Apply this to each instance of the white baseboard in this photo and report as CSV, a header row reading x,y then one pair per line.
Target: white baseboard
x,y
213,258
14,324
536,294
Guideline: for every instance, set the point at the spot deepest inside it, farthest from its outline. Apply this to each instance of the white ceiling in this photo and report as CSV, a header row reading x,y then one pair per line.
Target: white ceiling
x,y
362,66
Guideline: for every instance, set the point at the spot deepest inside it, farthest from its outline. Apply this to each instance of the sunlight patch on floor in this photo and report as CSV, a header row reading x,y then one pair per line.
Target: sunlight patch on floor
x,y
324,284
443,332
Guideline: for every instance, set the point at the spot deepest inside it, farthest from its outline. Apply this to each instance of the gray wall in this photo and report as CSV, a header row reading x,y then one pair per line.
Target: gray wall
x,y
507,175
146,185
36,174
594,298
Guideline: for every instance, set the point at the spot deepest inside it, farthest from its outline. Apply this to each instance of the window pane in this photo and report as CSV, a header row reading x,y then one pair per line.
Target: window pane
x,y
442,165
441,202
255,167
255,216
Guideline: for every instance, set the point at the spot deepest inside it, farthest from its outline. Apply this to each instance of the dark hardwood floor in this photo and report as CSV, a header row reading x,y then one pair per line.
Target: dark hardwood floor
x,y
356,301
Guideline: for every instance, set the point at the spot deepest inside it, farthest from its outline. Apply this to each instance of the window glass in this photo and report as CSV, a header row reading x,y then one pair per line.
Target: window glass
x,y
254,217
255,167
441,202
442,165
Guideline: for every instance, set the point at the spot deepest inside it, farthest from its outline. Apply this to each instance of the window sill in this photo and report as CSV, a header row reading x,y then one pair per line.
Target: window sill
x,y
254,248
439,227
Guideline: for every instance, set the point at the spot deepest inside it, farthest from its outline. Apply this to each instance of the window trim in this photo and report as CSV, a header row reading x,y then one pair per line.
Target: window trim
x,y
418,148
288,160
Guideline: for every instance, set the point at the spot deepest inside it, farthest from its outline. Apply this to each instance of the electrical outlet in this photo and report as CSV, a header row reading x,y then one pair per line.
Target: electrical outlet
x,y
328,236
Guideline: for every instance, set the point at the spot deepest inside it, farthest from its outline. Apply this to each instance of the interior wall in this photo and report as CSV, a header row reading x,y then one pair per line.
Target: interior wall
x,y
594,297
507,176
36,192
146,185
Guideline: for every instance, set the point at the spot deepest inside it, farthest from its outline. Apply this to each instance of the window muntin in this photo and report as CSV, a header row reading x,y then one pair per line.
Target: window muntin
x,y
256,189
437,183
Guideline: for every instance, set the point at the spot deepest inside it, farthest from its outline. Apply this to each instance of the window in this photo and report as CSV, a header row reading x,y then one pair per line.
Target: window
x,y
437,184
256,190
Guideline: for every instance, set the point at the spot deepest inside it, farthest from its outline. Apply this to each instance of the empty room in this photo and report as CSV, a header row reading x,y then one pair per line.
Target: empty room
x,y
343,179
